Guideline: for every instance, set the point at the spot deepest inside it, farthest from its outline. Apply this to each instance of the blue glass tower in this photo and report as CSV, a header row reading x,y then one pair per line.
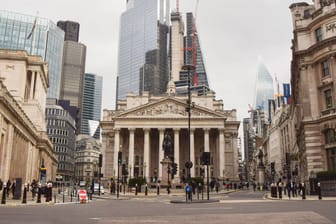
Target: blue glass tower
x,y
38,36
91,106
264,88
138,35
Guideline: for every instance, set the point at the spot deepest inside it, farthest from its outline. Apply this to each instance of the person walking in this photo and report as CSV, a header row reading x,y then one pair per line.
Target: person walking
x,y
1,185
8,187
13,186
34,189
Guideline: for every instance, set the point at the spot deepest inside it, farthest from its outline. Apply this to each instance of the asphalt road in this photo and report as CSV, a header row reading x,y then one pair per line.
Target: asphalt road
x,y
235,208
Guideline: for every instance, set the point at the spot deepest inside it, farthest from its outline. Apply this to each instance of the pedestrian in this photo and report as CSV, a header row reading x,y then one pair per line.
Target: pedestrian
x,y
217,187
280,190
34,189
8,187
1,184
288,186
13,187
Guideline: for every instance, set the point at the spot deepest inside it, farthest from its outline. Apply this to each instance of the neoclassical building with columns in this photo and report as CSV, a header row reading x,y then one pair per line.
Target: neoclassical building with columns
x,y
25,148
138,125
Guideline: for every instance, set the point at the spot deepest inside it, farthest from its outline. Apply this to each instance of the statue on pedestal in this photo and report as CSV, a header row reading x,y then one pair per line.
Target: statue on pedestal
x,y
167,146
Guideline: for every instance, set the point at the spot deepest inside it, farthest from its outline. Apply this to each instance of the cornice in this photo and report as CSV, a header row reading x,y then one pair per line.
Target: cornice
x,y
315,22
316,47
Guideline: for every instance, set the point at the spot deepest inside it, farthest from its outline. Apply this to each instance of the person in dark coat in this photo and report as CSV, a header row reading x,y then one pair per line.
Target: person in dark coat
x,y
8,187
1,184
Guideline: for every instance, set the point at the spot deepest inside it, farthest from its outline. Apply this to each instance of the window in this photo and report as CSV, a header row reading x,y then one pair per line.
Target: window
x,y
330,136
328,99
318,34
325,68
331,154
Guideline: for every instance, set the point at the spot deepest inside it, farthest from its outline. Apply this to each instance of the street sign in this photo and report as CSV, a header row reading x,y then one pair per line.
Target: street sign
x,y
83,198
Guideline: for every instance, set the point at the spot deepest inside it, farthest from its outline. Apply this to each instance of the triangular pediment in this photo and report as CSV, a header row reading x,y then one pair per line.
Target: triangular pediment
x,y
168,107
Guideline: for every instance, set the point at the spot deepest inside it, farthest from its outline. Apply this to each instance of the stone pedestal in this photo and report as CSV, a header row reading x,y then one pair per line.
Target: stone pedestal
x,y
166,163
261,176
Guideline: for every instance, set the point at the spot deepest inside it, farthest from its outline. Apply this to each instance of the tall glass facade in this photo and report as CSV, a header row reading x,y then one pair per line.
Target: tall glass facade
x,y
91,107
264,88
189,56
138,35
18,32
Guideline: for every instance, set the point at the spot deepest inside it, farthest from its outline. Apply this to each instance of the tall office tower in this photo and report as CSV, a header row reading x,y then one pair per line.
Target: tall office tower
x,y
71,30
264,88
192,56
193,52
154,73
91,107
38,36
74,56
176,45
61,132
142,37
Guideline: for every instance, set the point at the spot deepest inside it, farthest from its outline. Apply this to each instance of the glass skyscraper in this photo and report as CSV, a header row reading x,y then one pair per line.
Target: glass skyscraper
x,y
264,88
91,107
138,35
38,36
189,56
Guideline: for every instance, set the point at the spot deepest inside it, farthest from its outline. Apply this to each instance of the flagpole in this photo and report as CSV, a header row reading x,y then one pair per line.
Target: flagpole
x,y
33,34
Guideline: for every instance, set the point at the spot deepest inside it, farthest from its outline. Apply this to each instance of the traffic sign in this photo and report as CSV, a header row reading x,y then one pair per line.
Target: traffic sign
x,y
83,198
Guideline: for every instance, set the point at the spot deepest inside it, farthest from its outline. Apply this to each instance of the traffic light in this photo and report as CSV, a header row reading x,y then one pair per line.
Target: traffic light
x,y
273,168
124,170
202,172
119,158
174,170
205,159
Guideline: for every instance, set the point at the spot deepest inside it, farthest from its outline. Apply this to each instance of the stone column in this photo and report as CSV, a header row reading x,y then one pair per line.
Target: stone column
x,y
206,148
32,84
221,152
131,153
116,150
177,152
146,153
192,152
161,152
8,152
206,140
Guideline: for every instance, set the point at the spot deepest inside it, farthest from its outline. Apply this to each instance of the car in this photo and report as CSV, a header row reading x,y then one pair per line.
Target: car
x,y
96,189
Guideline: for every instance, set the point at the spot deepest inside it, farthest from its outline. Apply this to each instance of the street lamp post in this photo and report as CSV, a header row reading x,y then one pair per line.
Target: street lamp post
x,y
189,163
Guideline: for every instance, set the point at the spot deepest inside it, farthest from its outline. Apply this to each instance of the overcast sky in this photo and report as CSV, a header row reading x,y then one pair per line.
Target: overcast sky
x,y
233,35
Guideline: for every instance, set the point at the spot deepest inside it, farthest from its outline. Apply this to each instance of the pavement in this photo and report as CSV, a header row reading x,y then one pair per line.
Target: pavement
x,y
176,196
268,196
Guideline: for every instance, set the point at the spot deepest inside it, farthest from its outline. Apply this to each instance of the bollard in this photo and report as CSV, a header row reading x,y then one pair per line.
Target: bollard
x,y
158,189
303,191
24,199
136,189
55,198
63,196
3,200
146,190
319,191
71,196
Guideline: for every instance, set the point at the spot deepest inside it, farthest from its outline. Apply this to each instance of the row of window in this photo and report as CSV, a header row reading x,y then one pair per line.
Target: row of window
x,y
60,149
53,122
59,140
57,132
